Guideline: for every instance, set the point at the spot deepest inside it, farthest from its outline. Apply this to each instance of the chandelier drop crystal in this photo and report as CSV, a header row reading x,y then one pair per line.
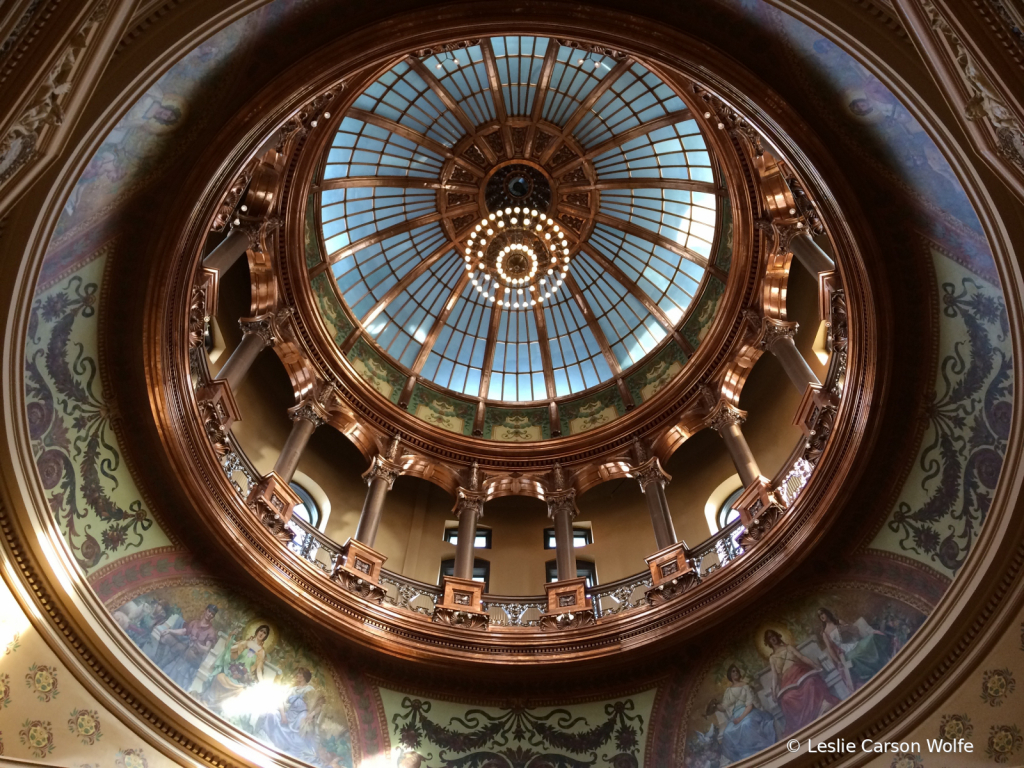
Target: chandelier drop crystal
x,y
517,257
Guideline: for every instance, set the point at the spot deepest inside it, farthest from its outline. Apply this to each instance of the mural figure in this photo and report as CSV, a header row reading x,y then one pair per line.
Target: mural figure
x,y
857,650
292,728
749,729
138,618
240,667
182,650
797,684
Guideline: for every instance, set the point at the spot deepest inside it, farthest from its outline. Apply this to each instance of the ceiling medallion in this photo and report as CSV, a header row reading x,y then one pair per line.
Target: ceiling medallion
x,y
517,257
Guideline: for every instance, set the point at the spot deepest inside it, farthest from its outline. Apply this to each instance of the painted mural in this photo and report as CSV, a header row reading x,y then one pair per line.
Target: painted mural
x,y
442,411
591,412
311,242
947,494
93,497
246,666
431,732
517,425
781,672
698,324
723,259
334,317
656,373
766,679
376,371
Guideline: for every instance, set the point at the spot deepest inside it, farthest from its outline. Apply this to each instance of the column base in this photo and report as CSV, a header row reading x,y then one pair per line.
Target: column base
x,y
668,564
671,574
568,605
760,510
219,411
460,604
357,568
273,500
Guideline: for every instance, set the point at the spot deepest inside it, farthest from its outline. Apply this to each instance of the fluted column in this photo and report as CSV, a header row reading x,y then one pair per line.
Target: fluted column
x,y
810,254
306,417
726,419
778,338
653,479
258,333
469,507
562,511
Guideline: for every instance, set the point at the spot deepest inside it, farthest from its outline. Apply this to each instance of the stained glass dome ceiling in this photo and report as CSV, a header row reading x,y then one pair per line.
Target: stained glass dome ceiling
x,y
518,218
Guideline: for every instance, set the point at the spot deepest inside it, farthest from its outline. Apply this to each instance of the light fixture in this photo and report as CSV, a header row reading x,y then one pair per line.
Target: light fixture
x,y
512,256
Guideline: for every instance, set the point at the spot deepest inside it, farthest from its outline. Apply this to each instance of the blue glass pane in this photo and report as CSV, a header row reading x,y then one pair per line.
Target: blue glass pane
x,y
637,97
362,149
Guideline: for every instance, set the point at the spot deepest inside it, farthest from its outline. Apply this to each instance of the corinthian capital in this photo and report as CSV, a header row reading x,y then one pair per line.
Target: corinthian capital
x,y
267,327
560,502
384,469
315,407
724,415
256,229
469,502
773,330
650,472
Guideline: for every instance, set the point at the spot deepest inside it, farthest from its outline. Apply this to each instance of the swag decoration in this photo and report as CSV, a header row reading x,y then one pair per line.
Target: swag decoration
x,y
519,737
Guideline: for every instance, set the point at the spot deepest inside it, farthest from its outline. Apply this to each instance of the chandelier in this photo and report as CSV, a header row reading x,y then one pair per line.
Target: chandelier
x,y
517,257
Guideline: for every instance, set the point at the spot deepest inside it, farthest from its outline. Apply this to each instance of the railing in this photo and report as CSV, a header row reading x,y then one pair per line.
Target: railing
x,y
621,596
795,480
717,551
515,611
617,597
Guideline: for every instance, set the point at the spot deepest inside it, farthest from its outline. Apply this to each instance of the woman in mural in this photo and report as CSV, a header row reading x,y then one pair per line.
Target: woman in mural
x,y
858,650
749,729
241,667
796,684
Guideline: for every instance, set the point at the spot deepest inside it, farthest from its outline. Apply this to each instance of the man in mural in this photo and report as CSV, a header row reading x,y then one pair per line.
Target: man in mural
x,y
797,684
748,729
182,650
292,728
